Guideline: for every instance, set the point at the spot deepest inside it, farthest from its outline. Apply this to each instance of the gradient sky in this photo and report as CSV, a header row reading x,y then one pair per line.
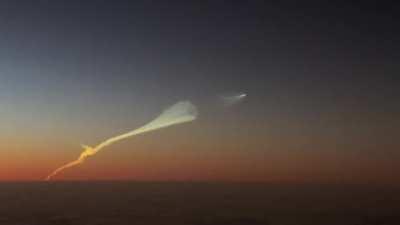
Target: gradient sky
x,y
322,84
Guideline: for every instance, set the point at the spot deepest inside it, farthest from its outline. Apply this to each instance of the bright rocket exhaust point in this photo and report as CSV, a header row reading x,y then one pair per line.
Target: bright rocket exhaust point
x,y
229,100
180,112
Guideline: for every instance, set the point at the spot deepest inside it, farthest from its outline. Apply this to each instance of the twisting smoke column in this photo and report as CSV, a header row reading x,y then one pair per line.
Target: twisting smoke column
x,y
180,112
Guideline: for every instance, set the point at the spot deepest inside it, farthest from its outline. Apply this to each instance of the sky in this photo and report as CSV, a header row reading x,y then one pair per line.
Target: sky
x,y
321,80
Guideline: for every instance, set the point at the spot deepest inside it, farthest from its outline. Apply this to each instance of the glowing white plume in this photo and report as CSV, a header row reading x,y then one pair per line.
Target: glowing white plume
x,y
229,100
181,112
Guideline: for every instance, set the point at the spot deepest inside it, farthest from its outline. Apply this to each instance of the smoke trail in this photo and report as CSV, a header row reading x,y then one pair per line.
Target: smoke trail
x,y
180,112
229,100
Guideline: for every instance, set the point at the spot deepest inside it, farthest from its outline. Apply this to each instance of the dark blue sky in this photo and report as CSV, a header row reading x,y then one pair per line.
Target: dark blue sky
x,y
322,77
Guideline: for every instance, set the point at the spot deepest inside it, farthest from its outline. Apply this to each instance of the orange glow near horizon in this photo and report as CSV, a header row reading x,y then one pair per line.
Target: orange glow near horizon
x,y
205,150
150,162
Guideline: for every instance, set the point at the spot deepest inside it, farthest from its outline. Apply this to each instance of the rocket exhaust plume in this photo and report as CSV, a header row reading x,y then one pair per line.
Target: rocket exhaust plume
x,y
229,100
180,112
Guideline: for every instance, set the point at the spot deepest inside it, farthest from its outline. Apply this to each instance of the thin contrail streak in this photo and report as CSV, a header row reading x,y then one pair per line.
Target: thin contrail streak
x,y
180,112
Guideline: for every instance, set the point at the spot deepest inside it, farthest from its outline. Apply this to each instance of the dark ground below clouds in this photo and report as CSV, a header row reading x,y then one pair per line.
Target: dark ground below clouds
x,y
176,203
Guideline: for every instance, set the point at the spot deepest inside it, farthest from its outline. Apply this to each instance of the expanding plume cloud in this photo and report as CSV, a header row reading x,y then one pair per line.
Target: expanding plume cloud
x,y
229,100
180,112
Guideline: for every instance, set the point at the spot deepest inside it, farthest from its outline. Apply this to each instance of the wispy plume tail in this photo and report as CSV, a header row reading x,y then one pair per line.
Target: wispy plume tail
x,y
181,112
